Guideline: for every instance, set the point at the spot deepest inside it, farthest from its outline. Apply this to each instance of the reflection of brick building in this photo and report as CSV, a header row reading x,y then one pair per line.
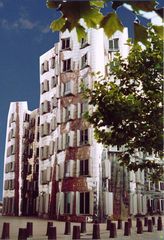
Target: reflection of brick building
x,y
63,172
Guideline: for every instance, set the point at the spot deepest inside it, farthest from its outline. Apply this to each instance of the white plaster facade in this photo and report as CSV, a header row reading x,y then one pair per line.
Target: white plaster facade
x,y
76,177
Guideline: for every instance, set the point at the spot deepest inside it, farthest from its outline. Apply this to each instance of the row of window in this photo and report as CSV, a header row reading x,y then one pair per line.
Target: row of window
x,y
30,135
84,202
67,64
158,186
47,150
73,139
47,106
66,44
45,85
46,65
65,201
68,113
32,121
68,88
72,168
8,205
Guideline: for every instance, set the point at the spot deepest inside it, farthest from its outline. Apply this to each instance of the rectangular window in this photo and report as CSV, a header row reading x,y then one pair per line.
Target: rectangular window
x,y
54,102
83,42
161,186
84,170
84,61
45,86
45,107
53,81
84,137
114,44
84,108
26,117
66,65
65,43
44,67
84,203
67,202
53,62
67,88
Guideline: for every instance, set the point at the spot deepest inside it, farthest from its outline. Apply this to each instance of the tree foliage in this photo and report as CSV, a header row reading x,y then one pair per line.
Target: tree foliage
x,y
128,108
91,12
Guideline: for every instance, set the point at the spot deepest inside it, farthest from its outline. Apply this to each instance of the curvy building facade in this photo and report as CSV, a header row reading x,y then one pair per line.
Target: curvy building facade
x,y
54,167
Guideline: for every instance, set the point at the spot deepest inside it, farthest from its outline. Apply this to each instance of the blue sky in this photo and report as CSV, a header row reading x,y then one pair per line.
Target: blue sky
x,y
24,36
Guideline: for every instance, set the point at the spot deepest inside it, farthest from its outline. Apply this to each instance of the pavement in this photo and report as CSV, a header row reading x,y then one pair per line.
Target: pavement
x,y
40,227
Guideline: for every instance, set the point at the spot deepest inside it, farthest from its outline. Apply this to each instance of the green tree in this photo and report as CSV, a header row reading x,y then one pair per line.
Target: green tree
x,y
128,109
91,13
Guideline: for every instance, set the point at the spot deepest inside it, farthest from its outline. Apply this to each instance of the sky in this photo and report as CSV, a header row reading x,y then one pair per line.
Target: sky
x,y
24,36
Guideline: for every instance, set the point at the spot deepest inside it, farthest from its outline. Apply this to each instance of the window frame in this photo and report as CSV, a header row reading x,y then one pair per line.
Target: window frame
x,y
114,45
84,207
66,43
66,65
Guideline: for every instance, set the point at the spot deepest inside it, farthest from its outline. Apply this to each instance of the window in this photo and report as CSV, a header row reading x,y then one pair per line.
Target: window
x,y
84,61
66,65
65,43
67,88
161,186
53,62
44,67
84,203
83,83
114,44
83,108
45,129
83,42
53,124
37,152
26,117
45,107
84,167
53,81
44,152
67,203
45,86
84,137
54,102
67,140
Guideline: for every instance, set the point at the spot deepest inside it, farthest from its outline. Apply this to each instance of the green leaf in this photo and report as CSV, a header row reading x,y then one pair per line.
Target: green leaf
x,y
160,12
117,4
58,24
140,33
159,30
111,23
81,33
74,10
53,4
146,6
92,17
99,4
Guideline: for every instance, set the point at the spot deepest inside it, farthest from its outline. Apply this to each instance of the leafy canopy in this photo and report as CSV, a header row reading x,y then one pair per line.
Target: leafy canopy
x,y
91,12
128,109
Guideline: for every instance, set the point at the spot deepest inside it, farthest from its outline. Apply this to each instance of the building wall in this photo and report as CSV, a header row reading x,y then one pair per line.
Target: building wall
x,y
75,149
59,169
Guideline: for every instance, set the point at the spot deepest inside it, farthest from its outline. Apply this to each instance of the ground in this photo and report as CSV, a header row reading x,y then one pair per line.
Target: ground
x,y
40,226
